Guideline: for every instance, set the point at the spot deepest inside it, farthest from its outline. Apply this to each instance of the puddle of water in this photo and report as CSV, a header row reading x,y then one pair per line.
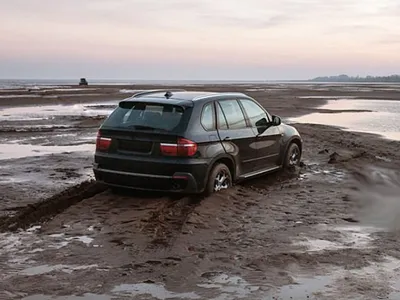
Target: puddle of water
x,y
266,90
126,91
71,89
58,245
378,190
44,269
155,290
306,288
317,174
382,120
352,237
22,113
14,151
12,180
234,286
66,240
87,296
326,97
379,277
34,228
83,239
19,96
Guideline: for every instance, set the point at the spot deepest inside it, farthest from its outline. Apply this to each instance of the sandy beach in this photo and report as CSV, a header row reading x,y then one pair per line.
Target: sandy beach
x,y
327,232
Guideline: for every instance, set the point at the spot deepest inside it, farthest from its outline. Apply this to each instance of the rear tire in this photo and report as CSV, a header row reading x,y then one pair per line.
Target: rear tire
x,y
292,158
220,178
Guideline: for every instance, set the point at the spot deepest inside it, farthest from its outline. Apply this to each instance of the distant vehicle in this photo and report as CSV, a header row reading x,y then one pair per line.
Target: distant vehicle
x,y
191,142
83,81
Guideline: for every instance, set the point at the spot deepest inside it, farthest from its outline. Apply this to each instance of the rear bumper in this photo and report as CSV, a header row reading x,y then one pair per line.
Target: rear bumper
x,y
151,173
179,182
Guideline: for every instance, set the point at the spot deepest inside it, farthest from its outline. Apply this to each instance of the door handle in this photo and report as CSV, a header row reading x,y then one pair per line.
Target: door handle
x,y
227,138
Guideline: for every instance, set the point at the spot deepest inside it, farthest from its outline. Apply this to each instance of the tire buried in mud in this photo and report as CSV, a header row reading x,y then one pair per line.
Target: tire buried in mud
x,y
220,178
292,158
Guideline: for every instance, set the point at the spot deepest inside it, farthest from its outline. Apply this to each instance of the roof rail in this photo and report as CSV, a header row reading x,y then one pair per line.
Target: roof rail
x,y
143,93
220,93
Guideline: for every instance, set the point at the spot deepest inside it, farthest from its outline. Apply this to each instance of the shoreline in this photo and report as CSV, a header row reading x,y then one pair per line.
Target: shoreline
x,y
103,93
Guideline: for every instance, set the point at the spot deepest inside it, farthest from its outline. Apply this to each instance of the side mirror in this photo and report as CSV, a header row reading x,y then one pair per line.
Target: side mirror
x,y
276,121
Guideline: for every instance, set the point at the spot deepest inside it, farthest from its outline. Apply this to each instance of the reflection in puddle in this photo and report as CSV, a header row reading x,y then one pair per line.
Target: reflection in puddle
x,y
382,120
155,290
14,151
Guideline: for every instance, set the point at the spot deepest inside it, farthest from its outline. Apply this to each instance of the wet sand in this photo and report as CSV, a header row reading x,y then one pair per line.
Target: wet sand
x,y
312,235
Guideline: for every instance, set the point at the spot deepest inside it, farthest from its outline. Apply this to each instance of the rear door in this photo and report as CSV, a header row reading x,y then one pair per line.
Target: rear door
x,y
237,138
268,141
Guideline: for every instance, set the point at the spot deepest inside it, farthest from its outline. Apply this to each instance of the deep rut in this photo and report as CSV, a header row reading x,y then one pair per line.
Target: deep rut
x,y
45,210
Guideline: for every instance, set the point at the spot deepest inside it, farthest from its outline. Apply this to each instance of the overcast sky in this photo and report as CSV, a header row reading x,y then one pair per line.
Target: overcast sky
x,y
198,39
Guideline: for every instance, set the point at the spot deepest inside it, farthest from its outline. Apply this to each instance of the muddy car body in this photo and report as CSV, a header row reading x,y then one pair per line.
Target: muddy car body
x,y
191,142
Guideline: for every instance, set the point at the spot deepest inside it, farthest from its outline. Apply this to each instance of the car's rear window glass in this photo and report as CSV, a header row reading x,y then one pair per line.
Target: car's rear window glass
x,y
146,116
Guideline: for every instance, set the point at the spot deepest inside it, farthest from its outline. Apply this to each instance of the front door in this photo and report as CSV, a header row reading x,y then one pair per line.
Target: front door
x,y
237,139
268,141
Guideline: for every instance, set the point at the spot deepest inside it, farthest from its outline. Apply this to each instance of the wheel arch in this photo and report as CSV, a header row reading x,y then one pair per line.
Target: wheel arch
x,y
225,159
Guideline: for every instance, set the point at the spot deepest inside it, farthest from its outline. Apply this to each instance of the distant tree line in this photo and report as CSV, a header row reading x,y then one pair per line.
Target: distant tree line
x,y
346,78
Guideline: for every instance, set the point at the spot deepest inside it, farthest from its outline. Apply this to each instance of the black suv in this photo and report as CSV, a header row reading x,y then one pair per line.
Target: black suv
x,y
191,142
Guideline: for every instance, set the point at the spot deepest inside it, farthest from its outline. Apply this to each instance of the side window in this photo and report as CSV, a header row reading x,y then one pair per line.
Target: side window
x,y
207,117
253,111
233,113
221,121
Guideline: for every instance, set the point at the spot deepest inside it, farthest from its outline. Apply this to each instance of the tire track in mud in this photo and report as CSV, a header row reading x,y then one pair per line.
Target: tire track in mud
x,y
166,223
48,208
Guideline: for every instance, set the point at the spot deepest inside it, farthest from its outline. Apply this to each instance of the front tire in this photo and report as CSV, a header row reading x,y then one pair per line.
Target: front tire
x,y
220,178
292,158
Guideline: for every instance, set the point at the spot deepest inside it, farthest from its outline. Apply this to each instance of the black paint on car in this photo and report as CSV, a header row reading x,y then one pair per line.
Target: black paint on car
x,y
191,142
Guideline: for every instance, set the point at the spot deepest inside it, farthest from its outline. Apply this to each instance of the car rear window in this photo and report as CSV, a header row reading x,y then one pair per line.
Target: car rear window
x,y
147,116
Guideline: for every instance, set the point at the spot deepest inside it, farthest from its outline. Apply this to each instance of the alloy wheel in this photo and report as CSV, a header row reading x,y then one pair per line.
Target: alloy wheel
x,y
221,181
294,157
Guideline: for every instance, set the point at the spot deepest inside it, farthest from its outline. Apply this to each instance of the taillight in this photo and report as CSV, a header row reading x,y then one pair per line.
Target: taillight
x,y
183,147
102,143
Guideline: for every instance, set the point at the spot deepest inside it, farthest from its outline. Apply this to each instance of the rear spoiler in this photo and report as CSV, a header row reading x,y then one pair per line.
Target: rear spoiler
x,y
129,103
168,93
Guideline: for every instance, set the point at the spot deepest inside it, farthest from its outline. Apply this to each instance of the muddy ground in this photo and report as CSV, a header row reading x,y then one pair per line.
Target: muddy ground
x,y
329,231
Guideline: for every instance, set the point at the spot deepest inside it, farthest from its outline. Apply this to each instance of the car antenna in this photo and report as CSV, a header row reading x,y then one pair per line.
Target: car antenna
x,y
168,95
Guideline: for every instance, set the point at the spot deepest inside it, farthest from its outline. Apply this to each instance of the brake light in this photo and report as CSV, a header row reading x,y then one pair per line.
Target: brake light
x,y
102,143
183,147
